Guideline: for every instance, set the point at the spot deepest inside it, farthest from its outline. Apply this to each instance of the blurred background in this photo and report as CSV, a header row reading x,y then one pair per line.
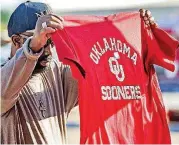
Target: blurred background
x,y
166,14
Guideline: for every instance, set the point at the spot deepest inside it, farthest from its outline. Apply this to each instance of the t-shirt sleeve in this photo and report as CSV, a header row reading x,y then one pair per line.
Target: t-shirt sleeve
x,y
72,70
67,53
159,48
64,47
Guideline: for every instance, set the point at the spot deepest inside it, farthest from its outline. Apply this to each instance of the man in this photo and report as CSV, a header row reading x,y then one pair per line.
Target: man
x,y
37,92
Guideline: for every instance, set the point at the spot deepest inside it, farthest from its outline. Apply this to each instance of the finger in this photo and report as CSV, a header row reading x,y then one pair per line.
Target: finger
x,y
61,24
142,12
55,19
58,17
146,18
154,25
52,21
147,22
152,22
151,19
148,13
47,30
52,18
55,25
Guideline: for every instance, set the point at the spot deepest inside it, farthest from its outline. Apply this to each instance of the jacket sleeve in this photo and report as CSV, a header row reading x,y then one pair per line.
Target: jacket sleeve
x,y
14,75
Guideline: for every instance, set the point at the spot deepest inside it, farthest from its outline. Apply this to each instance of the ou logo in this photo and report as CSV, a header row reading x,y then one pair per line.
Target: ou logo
x,y
115,68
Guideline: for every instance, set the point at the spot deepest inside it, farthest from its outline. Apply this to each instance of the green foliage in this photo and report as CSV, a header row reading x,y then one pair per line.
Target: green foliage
x,y
5,14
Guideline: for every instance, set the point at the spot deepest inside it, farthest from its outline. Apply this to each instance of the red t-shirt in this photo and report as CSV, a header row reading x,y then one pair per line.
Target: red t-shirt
x,y
119,97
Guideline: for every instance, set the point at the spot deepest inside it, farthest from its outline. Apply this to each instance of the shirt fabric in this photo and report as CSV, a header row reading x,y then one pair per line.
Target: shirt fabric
x,y
112,57
34,106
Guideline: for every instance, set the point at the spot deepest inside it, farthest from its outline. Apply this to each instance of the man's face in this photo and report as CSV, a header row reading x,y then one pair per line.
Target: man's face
x,y
45,58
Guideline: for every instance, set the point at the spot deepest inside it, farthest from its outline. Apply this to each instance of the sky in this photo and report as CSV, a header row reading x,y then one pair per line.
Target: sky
x,y
82,4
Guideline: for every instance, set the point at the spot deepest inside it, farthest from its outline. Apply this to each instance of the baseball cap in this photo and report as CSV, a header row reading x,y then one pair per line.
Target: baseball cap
x,y
25,16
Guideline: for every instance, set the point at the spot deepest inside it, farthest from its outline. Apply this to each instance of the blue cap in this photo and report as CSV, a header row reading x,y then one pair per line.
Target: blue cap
x,y
25,16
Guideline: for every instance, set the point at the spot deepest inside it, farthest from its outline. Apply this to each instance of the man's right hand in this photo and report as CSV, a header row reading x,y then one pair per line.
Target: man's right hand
x,y
42,34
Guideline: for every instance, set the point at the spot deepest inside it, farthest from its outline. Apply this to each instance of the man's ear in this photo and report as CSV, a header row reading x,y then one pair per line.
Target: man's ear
x,y
16,40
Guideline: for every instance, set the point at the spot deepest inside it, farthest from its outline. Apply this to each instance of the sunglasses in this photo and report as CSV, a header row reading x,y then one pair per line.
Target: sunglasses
x,y
49,41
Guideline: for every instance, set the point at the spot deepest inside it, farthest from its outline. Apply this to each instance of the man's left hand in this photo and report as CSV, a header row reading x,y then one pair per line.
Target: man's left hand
x,y
148,19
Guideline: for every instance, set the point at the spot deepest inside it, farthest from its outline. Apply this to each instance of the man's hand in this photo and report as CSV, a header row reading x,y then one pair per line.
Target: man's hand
x,y
148,19
42,34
